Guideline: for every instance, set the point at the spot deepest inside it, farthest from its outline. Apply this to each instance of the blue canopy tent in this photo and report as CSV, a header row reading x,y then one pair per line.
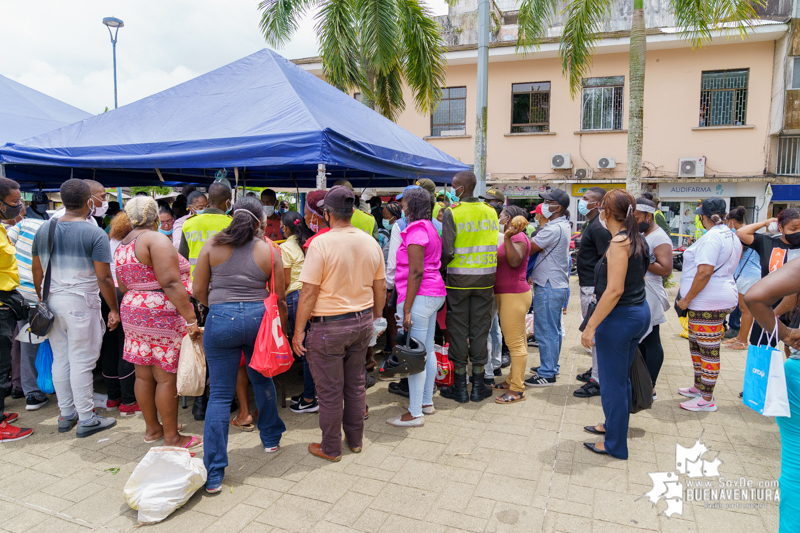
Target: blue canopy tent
x,y
25,112
262,115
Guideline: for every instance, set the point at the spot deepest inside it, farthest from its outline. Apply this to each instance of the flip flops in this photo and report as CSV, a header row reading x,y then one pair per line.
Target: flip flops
x,y
180,427
193,443
246,427
507,398
736,346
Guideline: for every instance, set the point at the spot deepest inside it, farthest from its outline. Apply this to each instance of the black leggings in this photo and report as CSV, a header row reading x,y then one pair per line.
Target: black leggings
x,y
118,373
653,353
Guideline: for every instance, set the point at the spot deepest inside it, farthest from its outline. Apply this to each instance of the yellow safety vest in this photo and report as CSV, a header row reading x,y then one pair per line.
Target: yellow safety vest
x,y
198,229
476,239
363,221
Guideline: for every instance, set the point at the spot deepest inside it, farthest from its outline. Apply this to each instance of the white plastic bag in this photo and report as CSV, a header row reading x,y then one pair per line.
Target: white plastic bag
x,y
529,324
162,482
378,327
191,367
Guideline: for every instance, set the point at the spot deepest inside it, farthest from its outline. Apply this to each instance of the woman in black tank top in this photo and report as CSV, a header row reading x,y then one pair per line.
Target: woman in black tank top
x,y
620,319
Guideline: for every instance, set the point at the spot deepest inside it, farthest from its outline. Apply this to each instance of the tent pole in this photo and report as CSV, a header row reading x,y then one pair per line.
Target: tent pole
x,y
2,170
236,178
321,180
160,177
119,196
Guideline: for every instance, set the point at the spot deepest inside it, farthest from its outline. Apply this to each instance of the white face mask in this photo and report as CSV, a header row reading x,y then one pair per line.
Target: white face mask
x,y
502,228
546,213
99,211
269,210
603,220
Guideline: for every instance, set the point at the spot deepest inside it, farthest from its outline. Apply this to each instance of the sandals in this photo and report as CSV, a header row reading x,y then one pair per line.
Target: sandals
x,y
736,346
246,427
193,443
508,398
180,427
500,386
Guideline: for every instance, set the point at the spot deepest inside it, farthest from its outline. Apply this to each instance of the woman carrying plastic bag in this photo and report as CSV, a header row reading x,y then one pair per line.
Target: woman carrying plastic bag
x,y
760,298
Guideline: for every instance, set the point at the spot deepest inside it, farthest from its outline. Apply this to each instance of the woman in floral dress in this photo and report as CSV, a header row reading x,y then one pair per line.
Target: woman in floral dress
x,y
156,314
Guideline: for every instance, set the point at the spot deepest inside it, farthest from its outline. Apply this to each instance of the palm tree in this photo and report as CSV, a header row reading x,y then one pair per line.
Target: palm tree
x,y
370,46
584,18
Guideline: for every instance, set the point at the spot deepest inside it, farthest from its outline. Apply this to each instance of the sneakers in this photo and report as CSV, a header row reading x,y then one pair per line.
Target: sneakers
x,y
92,426
113,404
699,404
370,382
305,407
690,392
588,390
586,377
505,360
498,372
655,396
539,381
126,411
296,399
9,433
32,404
532,341
399,387
270,449
535,370
16,394
413,423
65,423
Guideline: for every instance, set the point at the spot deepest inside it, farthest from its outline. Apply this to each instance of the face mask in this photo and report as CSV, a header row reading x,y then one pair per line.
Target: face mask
x,y
497,207
792,238
199,212
502,228
269,210
405,219
11,211
603,221
282,211
313,226
546,213
644,226
165,232
99,211
583,207
386,224
458,195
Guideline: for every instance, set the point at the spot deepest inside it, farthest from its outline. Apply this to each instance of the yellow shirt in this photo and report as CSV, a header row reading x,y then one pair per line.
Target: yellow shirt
x,y
9,276
293,258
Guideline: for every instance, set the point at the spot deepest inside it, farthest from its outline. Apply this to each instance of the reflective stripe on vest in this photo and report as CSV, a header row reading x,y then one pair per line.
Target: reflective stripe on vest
x,y
476,239
198,229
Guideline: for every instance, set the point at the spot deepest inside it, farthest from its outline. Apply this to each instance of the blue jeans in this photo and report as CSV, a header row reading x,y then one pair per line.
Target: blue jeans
x,y
617,337
309,390
570,272
735,319
423,326
547,305
232,328
495,346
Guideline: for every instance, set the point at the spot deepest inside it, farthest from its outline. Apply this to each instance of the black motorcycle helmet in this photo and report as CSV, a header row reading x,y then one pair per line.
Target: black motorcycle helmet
x,y
408,357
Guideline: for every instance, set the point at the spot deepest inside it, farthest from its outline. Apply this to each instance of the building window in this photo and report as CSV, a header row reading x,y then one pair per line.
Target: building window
x,y
788,156
450,117
723,98
602,103
795,73
530,107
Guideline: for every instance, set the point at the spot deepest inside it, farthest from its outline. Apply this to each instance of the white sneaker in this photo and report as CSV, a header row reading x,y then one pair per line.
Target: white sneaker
x,y
699,404
428,409
690,392
413,423
270,449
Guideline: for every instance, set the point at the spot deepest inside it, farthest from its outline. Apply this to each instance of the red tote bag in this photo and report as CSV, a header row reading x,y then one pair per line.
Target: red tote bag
x,y
272,354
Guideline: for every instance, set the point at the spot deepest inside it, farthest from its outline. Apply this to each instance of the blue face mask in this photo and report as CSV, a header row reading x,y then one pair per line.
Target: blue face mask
x,y
165,232
387,224
199,212
583,207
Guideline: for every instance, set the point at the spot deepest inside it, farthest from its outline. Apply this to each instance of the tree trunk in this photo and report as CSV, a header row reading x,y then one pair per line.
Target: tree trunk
x,y
638,52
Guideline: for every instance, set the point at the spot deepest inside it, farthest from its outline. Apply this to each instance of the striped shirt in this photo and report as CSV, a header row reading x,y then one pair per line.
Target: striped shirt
x,y
22,236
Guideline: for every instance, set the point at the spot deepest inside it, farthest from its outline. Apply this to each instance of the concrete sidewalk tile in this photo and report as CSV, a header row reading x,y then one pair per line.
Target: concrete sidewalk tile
x,y
508,517
455,496
323,485
619,507
181,521
49,502
294,513
370,521
60,525
480,507
496,487
97,508
27,482
396,523
368,486
262,498
27,519
75,489
461,521
404,501
569,523
221,503
348,509
234,520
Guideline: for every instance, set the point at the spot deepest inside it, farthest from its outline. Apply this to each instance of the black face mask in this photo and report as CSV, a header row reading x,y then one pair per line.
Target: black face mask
x,y
10,212
497,207
792,238
644,226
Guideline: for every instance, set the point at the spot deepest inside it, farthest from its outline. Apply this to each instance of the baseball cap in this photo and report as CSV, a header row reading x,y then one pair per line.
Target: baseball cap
x,y
557,195
712,206
426,184
39,198
399,196
493,194
538,210
344,183
338,198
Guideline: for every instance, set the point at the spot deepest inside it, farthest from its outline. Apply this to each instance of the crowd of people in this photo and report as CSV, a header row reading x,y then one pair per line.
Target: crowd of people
x,y
441,267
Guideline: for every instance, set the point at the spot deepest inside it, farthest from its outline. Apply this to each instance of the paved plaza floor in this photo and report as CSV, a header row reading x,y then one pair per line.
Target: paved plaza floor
x,y
472,467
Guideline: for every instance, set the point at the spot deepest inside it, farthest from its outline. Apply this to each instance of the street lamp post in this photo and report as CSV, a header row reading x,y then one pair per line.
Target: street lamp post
x,y
115,23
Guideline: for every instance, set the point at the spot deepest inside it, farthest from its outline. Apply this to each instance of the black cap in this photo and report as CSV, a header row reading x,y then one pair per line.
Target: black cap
x,y
39,197
338,198
557,195
493,194
712,206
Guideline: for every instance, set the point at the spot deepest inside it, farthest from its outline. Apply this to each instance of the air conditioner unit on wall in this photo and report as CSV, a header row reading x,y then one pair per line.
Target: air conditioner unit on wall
x,y
604,163
692,167
558,161
583,173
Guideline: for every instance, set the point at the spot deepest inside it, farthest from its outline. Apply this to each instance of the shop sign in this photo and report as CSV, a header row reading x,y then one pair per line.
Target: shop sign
x,y
521,191
690,189
579,189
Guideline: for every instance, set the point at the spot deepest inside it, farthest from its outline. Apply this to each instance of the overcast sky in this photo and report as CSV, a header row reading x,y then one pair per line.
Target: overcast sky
x,y
62,49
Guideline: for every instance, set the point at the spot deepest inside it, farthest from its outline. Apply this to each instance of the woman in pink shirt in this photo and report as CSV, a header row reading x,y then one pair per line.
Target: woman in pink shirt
x,y
513,295
420,294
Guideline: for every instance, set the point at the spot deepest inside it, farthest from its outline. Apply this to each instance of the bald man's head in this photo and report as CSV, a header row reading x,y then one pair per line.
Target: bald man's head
x,y
465,181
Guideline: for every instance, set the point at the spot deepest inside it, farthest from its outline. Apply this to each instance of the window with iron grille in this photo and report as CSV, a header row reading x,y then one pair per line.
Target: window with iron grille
x,y
795,73
788,156
602,103
723,98
450,117
530,107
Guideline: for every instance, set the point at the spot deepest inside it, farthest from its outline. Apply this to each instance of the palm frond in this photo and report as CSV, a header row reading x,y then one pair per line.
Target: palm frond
x,y
389,93
698,18
424,62
337,30
281,18
379,32
581,32
534,18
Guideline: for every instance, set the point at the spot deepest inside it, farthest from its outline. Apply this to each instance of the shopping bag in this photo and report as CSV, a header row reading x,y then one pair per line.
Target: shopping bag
x,y
765,381
379,325
191,367
529,324
272,354
44,368
685,326
162,482
641,384
444,367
